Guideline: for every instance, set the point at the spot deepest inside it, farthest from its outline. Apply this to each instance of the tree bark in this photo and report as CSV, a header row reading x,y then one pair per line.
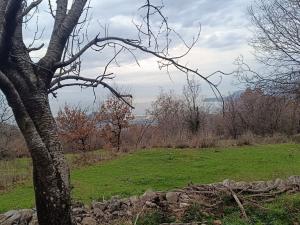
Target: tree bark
x,y
50,170
51,180
25,87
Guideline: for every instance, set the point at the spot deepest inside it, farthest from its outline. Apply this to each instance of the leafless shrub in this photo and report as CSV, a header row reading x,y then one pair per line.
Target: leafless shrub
x,y
296,138
195,112
246,139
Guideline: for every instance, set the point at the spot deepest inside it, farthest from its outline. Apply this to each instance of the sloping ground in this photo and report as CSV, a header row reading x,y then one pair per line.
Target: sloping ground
x,y
166,169
200,204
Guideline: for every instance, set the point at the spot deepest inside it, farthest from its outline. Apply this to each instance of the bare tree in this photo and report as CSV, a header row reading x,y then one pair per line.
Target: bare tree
x,y
232,118
142,129
277,46
115,115
195,113
27,82
168,113
260,113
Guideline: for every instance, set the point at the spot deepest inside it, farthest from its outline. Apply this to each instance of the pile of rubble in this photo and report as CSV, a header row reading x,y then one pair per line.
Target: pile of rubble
x,y
176,202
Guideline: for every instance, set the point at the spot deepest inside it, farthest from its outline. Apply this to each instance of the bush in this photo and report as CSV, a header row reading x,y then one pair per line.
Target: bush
x,y
246,139
182,146
204,141
296,138
208,141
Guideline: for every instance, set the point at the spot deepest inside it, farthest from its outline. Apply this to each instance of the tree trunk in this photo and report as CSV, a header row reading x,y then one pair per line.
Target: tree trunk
x,y
119,137
50,170
26,85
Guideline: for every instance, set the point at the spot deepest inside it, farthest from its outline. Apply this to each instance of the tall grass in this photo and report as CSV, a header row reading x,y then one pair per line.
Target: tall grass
x,y
18,171
13,172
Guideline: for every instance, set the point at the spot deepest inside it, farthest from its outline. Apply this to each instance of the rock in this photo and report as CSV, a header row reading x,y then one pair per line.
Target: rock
x,y
114,205
10,218
99,205
98,212
34,220
88,221
26,216
228,183
172,197
148,195
77,204
115,213
20,217
261,185
78,211
150,204
279,182
295,180
133,199
184,205
217,222
184,198
78,219
240,185
129,213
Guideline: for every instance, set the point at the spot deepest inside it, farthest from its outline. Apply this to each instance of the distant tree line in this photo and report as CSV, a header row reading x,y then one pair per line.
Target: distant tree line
x,y
187,120
251,111
173,120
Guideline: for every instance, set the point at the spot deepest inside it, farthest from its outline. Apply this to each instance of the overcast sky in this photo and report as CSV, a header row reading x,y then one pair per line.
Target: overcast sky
x,y
224,37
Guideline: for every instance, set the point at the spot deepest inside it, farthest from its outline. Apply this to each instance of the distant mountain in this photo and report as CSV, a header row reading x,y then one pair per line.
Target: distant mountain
x,y
141,119
218,100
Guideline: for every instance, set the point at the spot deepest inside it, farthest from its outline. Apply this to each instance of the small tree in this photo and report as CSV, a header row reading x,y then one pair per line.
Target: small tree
x,y
115,115
75,126
232,119
261,113
195,113
168,111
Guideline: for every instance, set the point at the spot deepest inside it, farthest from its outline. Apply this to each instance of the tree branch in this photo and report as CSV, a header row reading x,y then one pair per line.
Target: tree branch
x,y
31,6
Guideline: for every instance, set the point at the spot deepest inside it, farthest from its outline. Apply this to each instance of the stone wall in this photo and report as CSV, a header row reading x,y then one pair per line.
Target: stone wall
x,y
117,210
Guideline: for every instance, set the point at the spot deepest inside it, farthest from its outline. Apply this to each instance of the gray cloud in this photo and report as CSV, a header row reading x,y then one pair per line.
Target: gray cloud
x,y
224,28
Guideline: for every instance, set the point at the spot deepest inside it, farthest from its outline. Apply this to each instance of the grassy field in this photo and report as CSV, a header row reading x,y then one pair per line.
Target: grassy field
x,y
163,169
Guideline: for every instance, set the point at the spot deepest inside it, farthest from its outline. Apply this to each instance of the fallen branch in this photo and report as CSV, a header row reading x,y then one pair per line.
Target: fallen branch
x,y
240,205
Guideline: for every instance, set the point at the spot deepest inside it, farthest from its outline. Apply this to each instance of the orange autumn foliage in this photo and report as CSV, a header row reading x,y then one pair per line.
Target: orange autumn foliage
x,y
75,126
115,115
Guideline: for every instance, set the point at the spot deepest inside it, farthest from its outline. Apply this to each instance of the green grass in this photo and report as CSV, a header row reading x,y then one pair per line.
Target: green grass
x,y
163,169
285,210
